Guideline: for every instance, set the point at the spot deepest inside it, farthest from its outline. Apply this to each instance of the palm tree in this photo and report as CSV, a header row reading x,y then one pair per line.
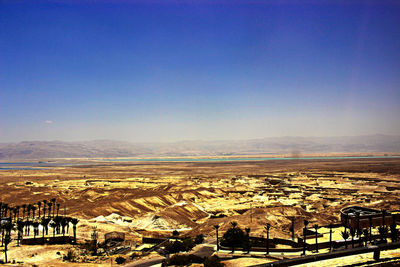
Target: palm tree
x,y
74,222
45,223
28,227
17,207
20,229
68,221
33,208
316,236
35,229
15,213
64,223
58,208
267,227
248,239
53,225
57,220
304,236
28,211
44,208
345,236
394,232
39,205
23,211
53,200
5,206
216,229
370,227
292,227
8,228
49,205
2,234
330,236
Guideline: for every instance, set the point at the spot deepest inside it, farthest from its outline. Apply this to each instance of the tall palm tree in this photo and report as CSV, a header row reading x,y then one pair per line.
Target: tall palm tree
x,y
5,209
370,228
64,223
28,227
330,236
304,236
35,229
248,239
28,209
45,223
267,227
15,213
49,205
216,229
20,229
23,211
58,208
53,225
17,207
53,200
57,220
44,208
8,228
74,222
33,208
68,221
316,236
39,203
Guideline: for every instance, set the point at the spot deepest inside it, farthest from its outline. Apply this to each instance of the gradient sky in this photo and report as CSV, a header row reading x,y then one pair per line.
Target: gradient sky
x,y
147,71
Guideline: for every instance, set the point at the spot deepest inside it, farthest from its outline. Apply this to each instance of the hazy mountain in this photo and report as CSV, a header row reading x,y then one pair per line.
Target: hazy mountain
x,y
109,148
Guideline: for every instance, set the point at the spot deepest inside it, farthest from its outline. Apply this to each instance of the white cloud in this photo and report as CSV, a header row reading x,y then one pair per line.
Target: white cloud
x,y
48,122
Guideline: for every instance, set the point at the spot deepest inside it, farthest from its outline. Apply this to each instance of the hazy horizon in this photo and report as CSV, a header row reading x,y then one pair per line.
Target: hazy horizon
x,y
181,71
206,140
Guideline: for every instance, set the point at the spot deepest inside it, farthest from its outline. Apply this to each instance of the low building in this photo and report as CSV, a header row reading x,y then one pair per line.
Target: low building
x,y
359,217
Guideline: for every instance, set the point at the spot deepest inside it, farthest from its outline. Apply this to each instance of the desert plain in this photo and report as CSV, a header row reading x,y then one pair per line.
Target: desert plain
x,y
154,198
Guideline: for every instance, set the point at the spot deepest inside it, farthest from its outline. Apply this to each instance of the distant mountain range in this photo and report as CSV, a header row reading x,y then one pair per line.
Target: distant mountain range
x,y
272,145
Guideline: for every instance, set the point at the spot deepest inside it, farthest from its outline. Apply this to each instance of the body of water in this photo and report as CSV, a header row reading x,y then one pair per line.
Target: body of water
x,y
244,159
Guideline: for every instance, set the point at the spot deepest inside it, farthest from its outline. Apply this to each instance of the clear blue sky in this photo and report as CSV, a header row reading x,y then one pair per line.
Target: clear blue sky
x,y
146,71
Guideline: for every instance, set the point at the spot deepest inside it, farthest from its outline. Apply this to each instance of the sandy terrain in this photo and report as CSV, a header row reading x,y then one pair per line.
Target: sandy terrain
x,y
152,199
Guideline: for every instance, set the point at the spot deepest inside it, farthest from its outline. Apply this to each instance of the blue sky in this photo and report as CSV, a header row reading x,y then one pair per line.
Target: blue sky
x,y
149,71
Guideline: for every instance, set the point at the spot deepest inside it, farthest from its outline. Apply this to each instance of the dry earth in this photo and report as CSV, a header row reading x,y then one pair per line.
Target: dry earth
x,y
152,199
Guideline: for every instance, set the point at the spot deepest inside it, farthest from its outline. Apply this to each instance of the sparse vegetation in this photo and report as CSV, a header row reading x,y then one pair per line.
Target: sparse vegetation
x,y
199,239
213,261
184,260
234,237
120,260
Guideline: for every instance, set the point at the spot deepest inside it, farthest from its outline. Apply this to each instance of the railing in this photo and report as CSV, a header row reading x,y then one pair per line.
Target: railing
x,y
376,249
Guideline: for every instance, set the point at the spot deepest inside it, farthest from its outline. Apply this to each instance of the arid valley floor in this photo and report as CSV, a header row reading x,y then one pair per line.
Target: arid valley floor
x,y
151,199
